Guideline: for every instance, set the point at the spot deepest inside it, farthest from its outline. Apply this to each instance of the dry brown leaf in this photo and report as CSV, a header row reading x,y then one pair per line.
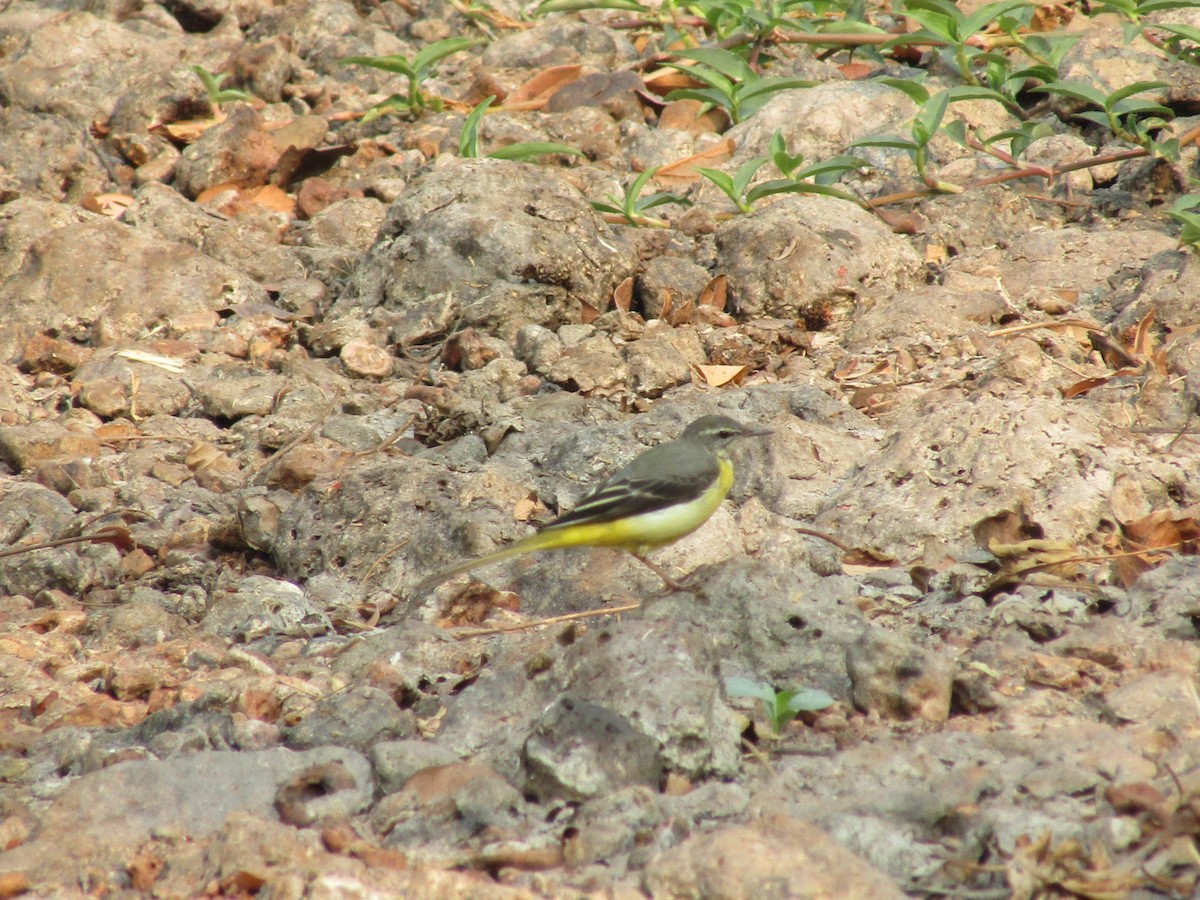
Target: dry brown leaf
x,y
856,71
681,314
718,376
715,293
1161,529
1008,527
1059,558
186,131
683,172
475,604
537,91
1079,388
527,507
111,205
1143,338
623,295
663,81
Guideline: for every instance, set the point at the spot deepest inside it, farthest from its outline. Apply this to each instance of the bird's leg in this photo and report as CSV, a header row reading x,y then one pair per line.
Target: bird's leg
x,y
672,585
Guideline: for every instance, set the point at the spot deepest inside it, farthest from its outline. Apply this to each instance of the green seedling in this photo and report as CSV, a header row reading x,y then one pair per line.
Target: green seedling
x,y
731,83
924,127
415,70
632,206
549,6
468,141
754,20
1186,211
795,180
781,706
943,22
212,86
1131,12
1127,118
1183,43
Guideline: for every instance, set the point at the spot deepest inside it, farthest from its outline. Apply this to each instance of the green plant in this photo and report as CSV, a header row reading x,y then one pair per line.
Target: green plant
x,y
1183,43
1186,211
925,125
781,706
1127,118
731,83
212,85
415,70
632,206
943,22
1132,11
795,179
468,141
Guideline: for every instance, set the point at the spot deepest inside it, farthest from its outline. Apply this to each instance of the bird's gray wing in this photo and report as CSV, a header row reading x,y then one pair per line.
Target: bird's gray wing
x,y
666,475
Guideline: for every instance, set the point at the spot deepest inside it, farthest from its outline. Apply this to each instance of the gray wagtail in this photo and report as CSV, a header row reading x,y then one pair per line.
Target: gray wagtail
x,y
666,493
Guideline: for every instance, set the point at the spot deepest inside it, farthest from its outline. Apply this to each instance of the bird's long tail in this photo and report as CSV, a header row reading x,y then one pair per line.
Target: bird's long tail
x,y
543,540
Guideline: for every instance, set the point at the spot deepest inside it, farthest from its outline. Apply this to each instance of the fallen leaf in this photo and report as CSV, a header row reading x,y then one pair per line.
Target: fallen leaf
x,y
663,81
718,376
715,293
684,171
1007,527
111,205
623,295
535,92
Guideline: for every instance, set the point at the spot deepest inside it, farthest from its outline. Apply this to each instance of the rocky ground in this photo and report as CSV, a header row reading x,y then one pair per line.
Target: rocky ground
x,y
264,365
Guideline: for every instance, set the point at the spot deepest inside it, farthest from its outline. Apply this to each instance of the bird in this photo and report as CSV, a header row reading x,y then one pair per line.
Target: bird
x,y
663,495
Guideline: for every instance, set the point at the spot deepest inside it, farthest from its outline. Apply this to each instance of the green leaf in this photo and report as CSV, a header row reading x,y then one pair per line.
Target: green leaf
x,y
393,104
721,180
746,172
929,117
1075,90
468,138
732,66
1130,89
935,24
915,91
528,149
985,15
805,700
550,6
397,64
892,143
439,50
738,686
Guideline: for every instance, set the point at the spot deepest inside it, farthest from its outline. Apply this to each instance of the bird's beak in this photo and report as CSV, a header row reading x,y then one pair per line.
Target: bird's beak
x,y
747,431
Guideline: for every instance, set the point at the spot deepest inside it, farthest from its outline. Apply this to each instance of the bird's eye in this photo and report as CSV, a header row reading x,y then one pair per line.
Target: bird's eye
x,y
727,432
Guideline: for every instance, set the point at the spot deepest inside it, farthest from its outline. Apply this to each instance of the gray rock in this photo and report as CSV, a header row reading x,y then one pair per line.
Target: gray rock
x,y
812,258
75,64
113,386
610,825
236,151
235,392
109,814
669,277
892,676
774,856
559,43
264,607
783,625
455,231
662,677
356,719
397,761
579,750
102,282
